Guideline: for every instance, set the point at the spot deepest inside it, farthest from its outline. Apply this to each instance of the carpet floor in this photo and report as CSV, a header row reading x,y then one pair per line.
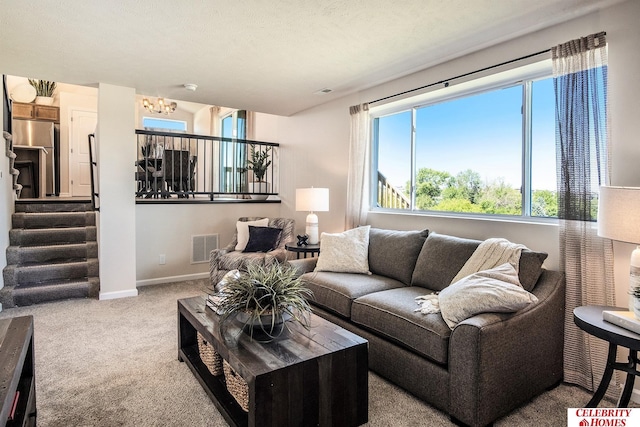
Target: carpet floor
x,y
114,363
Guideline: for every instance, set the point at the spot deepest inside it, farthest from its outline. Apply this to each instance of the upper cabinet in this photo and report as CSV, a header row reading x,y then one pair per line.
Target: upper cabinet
x,y
35,112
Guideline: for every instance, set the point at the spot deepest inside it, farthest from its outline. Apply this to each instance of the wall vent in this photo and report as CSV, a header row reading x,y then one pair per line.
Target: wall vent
x,y
201,246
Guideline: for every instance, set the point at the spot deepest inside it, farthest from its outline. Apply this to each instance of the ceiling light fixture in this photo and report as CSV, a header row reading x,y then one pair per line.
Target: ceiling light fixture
x,y
191,86
160,107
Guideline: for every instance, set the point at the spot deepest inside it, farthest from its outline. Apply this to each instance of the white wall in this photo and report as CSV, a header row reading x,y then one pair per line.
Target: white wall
x,y
317,140
117,217
167,229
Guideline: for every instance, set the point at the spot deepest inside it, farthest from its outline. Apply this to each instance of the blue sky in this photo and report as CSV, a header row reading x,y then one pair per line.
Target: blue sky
x,y
481,132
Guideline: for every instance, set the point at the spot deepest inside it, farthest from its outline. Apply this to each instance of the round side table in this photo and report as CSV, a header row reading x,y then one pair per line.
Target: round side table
x,y
308,249
589,319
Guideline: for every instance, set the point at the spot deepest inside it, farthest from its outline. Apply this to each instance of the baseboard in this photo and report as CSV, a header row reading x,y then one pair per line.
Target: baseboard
x,y
64,195
171,279
118,294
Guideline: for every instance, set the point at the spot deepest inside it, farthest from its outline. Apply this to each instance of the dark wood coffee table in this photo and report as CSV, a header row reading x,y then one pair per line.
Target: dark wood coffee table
x,y
302,378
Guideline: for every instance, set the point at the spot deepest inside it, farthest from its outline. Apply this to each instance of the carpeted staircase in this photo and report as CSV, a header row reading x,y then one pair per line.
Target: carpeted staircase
x,y
53,254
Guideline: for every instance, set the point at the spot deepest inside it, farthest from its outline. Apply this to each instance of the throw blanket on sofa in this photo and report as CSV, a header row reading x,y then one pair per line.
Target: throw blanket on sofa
x,y
489,254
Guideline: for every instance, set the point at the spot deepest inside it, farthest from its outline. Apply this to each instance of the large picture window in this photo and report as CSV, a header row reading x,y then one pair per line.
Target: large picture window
x,y
485,151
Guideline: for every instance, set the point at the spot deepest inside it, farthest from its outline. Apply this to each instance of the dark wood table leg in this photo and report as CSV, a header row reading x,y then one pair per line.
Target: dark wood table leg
x,y
606,378
631,377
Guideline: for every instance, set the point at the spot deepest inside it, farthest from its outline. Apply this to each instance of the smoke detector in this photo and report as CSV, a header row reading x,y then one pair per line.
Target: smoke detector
x,y
191,86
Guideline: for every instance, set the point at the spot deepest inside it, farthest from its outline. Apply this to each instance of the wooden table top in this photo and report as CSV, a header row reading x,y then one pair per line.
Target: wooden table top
x,y
253,358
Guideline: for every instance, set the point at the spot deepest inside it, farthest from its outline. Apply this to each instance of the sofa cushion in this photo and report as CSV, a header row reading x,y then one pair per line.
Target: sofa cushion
x,y
442,256
530,268
394,253
345,252
392,315
440,260
336,291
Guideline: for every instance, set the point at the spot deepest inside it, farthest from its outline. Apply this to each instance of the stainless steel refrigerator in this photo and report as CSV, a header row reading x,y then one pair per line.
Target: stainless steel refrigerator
x,y
35,133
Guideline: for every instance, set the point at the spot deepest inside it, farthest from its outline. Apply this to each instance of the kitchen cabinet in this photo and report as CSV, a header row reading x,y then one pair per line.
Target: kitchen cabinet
x,y
35,112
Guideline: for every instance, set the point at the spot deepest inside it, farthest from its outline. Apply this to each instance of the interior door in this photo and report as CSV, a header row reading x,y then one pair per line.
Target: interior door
x,y
83,123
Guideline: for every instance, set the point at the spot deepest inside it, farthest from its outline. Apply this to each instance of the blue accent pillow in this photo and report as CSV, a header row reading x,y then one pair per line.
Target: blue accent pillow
x,y
262,239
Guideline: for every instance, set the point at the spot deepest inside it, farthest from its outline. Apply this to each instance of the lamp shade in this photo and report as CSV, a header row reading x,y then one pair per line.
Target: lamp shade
x,y
619,214
312,199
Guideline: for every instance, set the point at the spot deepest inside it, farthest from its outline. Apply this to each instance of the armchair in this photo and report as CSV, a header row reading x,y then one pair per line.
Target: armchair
x,y
221,261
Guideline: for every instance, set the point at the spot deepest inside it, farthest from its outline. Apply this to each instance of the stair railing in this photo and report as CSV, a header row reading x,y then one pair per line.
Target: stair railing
x,y
94,171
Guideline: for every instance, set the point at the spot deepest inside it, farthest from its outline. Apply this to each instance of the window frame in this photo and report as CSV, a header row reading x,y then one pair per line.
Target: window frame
x,y
520,75
162,129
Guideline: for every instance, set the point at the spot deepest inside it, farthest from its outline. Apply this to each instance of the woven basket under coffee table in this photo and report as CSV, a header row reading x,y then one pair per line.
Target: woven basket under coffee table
x,y
210,357
237,387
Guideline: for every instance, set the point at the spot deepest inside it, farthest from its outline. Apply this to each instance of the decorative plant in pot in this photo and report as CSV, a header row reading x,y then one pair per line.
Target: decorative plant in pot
x,y
259,163
264,298
44,91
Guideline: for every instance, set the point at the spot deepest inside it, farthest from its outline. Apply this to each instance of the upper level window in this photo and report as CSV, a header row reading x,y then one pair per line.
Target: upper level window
x,y
151,123
488,149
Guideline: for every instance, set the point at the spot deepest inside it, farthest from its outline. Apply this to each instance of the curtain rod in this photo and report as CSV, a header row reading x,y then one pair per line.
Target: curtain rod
x,y
446,81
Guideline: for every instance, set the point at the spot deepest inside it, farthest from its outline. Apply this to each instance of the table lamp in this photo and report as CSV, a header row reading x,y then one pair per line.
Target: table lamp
x,y
619,219
312,200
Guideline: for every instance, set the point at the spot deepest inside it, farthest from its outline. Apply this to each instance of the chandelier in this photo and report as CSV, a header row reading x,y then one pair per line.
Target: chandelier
x,y
160,106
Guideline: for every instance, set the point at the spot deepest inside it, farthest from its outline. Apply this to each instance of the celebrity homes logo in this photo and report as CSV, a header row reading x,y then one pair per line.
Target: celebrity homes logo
x,y
603,417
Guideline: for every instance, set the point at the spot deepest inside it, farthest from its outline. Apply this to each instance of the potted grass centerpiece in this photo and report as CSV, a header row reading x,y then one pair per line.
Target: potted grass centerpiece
x,y
264,298
44,91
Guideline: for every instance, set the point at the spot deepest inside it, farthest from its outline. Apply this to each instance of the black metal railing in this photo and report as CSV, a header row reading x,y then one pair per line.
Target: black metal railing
x,y
207,167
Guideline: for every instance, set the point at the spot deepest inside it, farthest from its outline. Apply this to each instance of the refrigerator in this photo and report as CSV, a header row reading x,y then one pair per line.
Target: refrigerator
x,y
35,133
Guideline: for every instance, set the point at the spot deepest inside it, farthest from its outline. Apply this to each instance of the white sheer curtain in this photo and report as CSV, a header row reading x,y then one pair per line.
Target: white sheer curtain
x,y
580,82
359,161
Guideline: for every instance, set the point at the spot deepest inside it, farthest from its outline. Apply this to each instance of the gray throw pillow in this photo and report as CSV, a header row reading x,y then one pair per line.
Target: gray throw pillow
x,y
394,253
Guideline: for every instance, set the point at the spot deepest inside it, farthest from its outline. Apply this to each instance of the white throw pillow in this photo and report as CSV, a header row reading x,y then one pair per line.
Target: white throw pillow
x,y
497,290
346,252
243,231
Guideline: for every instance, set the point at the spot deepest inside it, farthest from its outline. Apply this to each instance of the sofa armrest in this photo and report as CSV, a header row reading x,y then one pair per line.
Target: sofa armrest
x,y
499,361
303,265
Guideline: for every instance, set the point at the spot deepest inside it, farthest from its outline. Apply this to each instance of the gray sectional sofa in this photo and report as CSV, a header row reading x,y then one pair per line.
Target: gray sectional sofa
x,y
486,366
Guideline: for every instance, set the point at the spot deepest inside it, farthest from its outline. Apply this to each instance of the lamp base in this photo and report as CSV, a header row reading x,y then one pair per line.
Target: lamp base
x,y
634,276
312,229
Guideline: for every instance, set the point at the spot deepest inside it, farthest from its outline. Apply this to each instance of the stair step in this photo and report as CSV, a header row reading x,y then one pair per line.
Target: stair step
x,y
54,291
21,255
43,273
38,237
35,220
53,206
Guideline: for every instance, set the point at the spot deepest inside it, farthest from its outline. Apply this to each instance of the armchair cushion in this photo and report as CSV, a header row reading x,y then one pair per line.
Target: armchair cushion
x,y
242,228
262,239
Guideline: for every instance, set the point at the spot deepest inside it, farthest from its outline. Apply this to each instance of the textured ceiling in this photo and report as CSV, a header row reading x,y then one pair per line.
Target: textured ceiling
x,y
268,56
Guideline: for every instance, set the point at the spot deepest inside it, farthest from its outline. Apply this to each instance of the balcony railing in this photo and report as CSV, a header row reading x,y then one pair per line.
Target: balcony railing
x,y
176,165
389,196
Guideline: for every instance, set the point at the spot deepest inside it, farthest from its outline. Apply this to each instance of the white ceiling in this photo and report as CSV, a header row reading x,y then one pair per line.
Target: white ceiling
x,y
260,55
